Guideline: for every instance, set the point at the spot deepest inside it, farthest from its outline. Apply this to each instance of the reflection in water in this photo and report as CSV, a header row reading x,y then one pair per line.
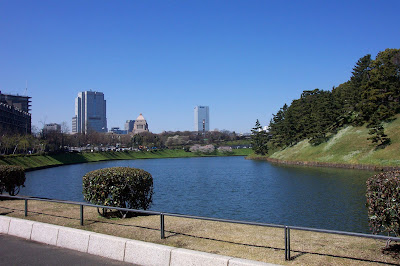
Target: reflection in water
x,y
233,188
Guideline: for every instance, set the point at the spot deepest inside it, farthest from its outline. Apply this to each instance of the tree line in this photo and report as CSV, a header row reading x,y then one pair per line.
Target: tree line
x,y
56,142
371,96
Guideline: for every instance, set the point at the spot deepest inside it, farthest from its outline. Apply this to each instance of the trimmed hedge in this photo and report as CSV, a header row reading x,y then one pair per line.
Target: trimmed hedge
x,y
383,202
123,187
12,178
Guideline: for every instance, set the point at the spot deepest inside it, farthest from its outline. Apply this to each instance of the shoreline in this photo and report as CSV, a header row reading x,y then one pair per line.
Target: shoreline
x,y
38,162
325,164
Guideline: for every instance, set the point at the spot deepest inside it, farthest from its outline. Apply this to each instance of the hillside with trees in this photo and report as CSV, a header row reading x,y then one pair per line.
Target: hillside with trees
x,y
367,102
370,97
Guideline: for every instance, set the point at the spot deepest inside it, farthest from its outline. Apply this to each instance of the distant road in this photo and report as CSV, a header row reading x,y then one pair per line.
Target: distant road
x,y
18,251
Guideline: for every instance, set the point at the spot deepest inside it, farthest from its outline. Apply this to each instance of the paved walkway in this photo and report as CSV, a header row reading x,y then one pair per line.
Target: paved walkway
x,y
18,251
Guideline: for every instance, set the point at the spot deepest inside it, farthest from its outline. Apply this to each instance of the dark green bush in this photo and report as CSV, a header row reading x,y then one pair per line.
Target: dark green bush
x,y
383,202
11,179
123,187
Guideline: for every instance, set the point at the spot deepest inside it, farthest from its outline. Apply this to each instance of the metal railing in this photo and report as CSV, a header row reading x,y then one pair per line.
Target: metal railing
x,y
163,214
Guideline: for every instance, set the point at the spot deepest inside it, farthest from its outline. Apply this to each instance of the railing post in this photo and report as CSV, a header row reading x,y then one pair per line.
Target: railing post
x,y
81,207
26,207
287,243
285,231
162,226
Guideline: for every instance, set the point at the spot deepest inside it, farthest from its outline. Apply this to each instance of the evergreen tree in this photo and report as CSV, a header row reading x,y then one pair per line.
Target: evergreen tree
x,y
278,129
381,93
259,139
378,135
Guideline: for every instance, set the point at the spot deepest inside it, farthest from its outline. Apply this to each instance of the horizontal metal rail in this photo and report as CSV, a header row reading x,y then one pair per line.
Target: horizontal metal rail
x,y
222,220
163,214
344,233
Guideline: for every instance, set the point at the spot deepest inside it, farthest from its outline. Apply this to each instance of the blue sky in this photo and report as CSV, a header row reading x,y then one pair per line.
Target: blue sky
x,y
244,59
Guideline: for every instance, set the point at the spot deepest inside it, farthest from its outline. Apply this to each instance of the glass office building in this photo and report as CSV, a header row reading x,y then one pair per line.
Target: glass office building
x,y
90,112
201,118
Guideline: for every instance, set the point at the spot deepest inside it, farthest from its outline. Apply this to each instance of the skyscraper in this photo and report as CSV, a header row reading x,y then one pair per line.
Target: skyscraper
x,y
201,119
90,112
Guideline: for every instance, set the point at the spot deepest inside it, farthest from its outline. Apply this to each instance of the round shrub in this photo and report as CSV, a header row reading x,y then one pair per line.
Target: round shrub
x,y
383,202
12,178
123,187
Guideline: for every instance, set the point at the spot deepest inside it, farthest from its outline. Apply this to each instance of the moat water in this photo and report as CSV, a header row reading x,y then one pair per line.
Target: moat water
x,y
232,188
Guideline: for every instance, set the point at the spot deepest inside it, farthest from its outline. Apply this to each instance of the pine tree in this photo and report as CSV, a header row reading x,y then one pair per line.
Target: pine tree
x,y
378,135
259,139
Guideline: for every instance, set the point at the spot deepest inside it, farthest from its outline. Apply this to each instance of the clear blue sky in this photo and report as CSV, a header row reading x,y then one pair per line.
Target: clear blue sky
x,y
244,59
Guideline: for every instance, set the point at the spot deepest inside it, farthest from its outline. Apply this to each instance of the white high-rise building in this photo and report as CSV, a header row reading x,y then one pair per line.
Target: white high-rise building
x,y
90,112
201,119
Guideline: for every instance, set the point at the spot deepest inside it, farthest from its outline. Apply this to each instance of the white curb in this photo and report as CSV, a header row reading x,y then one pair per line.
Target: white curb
x,y
122,249
4,224
73,239
184,257
107,246
21,228
45,233
243,262
143,253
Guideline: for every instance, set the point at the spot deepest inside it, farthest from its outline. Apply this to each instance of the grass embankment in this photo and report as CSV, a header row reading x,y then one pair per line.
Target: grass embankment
x,y
31,162
243,241
349,146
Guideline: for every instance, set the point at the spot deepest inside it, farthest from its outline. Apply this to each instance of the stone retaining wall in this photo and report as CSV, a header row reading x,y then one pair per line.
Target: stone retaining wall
x,y
325,164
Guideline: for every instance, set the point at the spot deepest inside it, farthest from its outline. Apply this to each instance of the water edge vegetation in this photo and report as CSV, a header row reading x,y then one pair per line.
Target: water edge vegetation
x,y
36,161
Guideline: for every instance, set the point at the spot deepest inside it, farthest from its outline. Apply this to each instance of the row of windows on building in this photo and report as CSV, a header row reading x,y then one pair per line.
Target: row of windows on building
x,y
14,114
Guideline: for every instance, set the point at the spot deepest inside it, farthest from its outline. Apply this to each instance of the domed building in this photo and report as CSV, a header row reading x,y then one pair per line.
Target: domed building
x,y
140,125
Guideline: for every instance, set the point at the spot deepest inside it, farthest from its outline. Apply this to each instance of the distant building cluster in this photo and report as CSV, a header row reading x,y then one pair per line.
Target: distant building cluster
x,y
90,115
14,114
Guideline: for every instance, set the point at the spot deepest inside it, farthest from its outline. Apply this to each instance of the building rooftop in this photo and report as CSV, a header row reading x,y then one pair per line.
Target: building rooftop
x,y
140,117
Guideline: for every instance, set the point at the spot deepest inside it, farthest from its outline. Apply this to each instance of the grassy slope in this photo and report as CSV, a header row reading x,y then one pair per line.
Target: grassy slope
x,y
351,146
40,161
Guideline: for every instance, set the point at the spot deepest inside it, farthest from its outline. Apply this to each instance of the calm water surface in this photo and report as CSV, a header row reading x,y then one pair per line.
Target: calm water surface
x,y
232,188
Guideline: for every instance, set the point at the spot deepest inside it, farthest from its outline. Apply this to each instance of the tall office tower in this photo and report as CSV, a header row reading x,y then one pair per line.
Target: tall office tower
x,y
201,119
90,112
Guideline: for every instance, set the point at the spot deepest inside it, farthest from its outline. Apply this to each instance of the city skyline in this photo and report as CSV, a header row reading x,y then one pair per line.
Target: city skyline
x,y
243,59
